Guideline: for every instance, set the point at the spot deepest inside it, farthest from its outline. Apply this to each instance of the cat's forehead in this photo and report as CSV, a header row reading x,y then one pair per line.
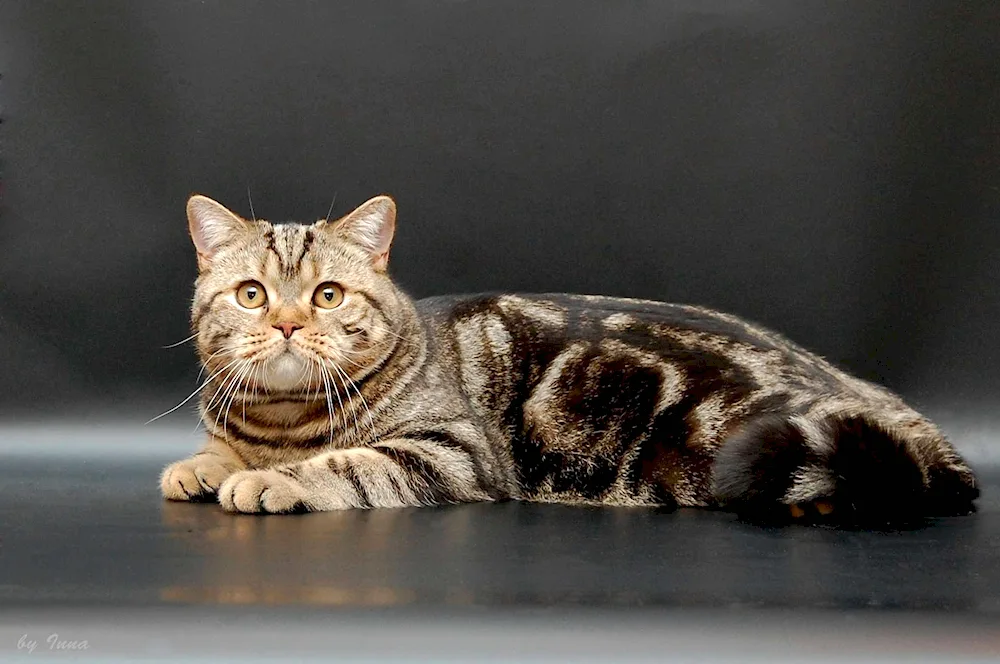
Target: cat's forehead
x,y
292,252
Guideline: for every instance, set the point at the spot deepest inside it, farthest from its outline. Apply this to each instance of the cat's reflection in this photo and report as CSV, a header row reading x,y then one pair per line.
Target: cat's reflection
x,y
353,558
459,556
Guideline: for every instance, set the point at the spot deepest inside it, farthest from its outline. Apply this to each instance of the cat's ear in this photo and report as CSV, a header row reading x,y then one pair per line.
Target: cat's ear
x,y
371,226
212,225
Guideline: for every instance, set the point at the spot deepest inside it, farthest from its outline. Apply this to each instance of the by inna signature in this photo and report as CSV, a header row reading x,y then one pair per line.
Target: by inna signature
x,y
53,642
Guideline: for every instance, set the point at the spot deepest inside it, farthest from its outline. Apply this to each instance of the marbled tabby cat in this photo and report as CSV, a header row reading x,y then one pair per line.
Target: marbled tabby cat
x,y
328,388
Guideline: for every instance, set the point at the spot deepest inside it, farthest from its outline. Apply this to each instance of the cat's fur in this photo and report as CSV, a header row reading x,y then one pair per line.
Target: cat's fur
x,y
386,402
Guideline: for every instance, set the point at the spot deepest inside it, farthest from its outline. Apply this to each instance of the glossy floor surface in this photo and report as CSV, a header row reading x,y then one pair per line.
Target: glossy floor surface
x,y
84,526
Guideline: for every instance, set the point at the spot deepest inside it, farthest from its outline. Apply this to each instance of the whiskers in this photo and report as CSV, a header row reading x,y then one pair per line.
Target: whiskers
x,y
229,366
330,211
337,388
335,379
348,384
385,329
231,373
181,342
237,384
327,384
253,215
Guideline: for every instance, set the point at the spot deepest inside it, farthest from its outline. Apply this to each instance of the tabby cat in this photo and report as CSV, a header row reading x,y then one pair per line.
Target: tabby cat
x,y
328,388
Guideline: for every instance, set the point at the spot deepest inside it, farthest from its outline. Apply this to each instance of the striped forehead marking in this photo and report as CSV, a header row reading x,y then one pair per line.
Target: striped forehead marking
x,y
290,243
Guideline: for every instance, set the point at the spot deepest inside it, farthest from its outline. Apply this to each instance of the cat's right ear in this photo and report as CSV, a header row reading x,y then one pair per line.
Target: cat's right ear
x,y
212,226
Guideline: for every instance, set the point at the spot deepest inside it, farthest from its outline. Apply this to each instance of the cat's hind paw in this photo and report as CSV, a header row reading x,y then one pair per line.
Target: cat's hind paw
x,y
261,492
862,476
194,480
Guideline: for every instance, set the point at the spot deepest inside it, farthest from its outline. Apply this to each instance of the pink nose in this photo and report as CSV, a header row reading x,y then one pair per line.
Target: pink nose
x,y
287,329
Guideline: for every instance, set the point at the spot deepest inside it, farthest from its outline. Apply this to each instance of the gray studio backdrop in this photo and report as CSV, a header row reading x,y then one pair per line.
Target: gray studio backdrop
x,y
828,169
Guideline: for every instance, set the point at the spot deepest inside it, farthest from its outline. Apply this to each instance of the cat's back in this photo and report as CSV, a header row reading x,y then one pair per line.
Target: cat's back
x,y
573,317
511,344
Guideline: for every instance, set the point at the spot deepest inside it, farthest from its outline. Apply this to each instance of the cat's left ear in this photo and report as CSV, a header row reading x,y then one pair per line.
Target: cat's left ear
x,y
371,226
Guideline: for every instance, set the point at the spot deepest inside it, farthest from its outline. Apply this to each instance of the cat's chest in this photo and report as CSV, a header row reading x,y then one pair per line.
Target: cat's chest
x,y
279,432
268,456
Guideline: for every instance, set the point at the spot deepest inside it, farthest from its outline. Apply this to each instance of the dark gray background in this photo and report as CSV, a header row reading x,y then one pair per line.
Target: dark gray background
x,y
829,169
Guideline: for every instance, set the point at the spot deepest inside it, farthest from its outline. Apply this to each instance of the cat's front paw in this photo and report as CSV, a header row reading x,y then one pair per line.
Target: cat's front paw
x,y
194,479
261,491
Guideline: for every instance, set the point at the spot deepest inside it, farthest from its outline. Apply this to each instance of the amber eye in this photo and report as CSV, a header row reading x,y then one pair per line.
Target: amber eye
x,y
251,295
328,296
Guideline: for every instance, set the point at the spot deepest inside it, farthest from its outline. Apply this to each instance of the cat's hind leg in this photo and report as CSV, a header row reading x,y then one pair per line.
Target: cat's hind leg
x,y
848,470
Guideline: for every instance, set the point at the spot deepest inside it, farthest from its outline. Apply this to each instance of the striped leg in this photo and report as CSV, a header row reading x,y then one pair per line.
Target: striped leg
x,y
395,473
200,476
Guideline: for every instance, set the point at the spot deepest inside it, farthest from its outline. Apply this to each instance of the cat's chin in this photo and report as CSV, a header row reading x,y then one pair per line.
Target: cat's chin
x,y
286,372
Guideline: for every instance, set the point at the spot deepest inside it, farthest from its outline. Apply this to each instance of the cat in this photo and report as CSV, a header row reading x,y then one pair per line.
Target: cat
x,y
328,388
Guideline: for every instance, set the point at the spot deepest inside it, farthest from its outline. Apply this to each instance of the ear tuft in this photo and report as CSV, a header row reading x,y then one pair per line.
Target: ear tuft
x,y
371,226
212,225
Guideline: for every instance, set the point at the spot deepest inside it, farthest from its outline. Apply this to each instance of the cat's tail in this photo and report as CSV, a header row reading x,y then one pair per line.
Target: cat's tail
x,y
844,469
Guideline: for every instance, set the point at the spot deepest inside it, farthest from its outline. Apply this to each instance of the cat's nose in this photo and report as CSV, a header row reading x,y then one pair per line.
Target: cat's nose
x,y
287,328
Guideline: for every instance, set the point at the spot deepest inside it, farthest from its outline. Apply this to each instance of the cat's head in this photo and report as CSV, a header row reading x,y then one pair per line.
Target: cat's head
x,y
288,307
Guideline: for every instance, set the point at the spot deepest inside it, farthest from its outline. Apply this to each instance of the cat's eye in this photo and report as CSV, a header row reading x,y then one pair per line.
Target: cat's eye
x,y
251,295
328,295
